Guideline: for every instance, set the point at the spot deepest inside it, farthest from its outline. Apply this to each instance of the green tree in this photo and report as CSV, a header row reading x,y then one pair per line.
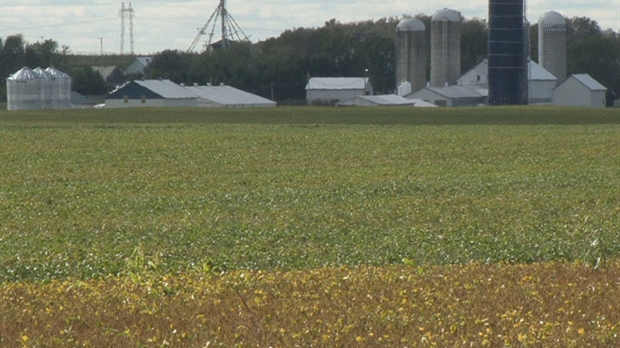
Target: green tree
x,y
86,81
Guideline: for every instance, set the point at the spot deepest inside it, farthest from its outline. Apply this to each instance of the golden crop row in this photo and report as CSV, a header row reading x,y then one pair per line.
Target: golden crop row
x,y
475,305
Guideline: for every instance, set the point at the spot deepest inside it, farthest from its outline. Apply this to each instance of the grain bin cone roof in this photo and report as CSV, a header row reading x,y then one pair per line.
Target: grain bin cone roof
x,y
411,24
24,73
552,18
446,15
57,73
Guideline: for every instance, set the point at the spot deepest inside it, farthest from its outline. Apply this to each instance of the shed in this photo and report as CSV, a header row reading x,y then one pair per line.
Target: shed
x,y
452,95
540,81
330,90
227,96
383,100
137,67
150,93
580,90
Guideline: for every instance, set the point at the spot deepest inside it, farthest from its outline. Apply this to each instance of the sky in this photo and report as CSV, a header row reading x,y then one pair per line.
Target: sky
x,y
94,26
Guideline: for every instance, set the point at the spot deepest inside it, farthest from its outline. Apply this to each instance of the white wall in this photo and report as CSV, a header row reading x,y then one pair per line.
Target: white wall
x,y
135,103
329,95
574,93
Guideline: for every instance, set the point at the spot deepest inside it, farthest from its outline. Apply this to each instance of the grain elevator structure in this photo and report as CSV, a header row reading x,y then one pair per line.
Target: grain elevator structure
x,y
411,53
445,47
552,44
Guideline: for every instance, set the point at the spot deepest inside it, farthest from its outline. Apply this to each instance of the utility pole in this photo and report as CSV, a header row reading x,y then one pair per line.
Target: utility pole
x,y
101,46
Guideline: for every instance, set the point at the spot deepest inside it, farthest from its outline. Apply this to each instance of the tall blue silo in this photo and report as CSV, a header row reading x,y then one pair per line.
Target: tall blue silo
x,y
508,52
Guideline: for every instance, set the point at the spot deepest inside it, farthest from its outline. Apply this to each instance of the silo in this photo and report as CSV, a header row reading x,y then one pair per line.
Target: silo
x,y
23,90
47,88
61,89
507,53
411,53
552,44
445,48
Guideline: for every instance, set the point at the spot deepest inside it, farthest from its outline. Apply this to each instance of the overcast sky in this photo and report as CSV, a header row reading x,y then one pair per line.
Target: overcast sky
x,y
170,24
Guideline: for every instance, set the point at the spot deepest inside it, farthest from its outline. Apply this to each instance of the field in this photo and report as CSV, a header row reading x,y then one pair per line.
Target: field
x,y
310,227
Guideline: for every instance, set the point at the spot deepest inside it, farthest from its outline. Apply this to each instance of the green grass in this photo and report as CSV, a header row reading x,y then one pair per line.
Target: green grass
x,y
83,191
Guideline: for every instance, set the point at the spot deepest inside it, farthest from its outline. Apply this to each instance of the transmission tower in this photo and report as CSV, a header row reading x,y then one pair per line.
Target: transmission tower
x,y
128,13
229,27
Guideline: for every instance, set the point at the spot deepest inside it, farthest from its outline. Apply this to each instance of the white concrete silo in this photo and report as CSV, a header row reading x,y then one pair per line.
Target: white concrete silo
x,y
23,90
552,44
47,88
411,53
445,47
61,89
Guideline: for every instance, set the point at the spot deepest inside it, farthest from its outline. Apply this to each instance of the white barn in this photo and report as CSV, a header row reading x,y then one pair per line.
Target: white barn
x,y
540,81
580,90
330,90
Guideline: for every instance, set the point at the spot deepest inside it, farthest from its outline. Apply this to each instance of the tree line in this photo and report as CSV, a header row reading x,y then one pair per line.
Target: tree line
x,y
279,68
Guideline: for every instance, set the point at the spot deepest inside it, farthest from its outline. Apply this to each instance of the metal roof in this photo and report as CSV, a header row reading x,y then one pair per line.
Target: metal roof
x,y
589,82
57,74
411,24
446,15
24,73
379,100
458,92
228,96
552,18
538,73
342,83
165,88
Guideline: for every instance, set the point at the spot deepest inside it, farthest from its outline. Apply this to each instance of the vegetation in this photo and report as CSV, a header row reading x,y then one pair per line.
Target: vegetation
x,y
310,227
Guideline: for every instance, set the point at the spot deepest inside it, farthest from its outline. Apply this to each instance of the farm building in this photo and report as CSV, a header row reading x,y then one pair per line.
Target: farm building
x,y
29,89
330,90
540,82
165,93
227,96
580,90
110,74
150,93
383,100
137,67
452,95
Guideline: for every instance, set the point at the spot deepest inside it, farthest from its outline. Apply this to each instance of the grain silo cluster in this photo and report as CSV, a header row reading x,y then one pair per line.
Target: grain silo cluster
x,y
507,78
37,89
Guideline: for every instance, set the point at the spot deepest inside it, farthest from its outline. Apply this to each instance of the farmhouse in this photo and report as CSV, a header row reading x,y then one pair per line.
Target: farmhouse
x,y
330,90
580,90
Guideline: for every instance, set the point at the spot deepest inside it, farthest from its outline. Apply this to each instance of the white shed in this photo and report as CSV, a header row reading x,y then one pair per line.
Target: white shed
x,y
330,90
580,90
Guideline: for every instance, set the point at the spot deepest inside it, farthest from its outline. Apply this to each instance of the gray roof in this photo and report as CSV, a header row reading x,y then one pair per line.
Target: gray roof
x,y
228,96
589,82
333,83
145,60
379,100
24,73
459,92
538,73
166,88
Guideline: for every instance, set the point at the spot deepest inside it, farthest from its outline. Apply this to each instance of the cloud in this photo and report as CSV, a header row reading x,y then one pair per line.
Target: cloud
x,y
161,24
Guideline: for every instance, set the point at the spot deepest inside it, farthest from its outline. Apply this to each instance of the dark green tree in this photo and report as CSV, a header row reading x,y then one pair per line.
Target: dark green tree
x,y
86,81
